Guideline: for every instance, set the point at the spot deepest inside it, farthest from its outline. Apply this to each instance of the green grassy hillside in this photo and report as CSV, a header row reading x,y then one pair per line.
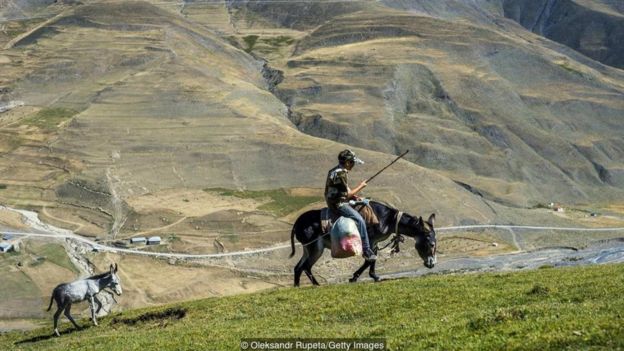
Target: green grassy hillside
x,y
547,309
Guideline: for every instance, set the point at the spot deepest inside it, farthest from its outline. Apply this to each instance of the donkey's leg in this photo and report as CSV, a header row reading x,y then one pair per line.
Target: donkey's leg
x,y
92,307
357,273
316,252
371,272
68,315
299,266
57,314
99,303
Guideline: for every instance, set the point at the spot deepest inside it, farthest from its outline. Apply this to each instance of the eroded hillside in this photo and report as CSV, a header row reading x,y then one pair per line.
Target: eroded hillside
x,y
594,28
212,124
517,117
122,100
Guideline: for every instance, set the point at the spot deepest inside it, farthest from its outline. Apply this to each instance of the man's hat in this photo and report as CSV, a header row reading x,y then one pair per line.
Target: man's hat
x,y
348,155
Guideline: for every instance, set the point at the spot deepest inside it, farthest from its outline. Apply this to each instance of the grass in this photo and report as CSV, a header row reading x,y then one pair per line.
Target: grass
x,y
17,290
49,119
14,28
232,238
279,41
157,248
280,202
250,41
54,253
9,142
173,238
569,68
554,309
264,45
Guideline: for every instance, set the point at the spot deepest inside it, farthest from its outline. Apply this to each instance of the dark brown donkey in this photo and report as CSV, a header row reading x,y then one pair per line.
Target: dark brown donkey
x,y
307,229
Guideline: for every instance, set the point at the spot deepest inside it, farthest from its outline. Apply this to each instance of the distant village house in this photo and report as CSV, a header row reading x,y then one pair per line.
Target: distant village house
x,y
154,240
138,240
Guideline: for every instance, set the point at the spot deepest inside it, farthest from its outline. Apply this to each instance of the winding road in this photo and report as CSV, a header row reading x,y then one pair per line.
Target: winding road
x,y
48,231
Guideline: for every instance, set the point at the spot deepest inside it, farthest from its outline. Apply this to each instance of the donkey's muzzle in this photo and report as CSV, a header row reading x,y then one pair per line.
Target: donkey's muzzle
x,y
430,262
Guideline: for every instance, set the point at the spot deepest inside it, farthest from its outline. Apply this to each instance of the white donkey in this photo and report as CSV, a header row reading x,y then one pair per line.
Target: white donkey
x,y
67,293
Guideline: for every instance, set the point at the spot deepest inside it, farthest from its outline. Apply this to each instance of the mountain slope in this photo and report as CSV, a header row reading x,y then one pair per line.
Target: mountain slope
x,y
594,28
517,117
548,309
149,101
212,125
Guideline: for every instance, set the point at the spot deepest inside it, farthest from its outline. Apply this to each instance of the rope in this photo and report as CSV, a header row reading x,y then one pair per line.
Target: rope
x,y
398,237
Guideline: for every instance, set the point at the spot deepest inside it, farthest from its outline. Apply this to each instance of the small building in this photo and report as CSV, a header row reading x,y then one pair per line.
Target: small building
x,y
154,240
138,240
559,209
6,247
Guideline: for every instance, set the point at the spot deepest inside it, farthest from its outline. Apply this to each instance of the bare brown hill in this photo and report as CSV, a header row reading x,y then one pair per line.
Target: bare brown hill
x,y
594,28
518,118
212,124
115,101
125,99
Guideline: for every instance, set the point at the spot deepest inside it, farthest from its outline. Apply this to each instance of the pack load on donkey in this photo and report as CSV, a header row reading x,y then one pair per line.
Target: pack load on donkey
x,y
345,239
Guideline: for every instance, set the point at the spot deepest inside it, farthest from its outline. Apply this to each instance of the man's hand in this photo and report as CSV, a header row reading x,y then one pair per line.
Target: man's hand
x,y
352,193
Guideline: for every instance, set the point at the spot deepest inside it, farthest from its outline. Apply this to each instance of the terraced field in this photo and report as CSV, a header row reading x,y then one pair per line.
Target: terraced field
x,y
212,124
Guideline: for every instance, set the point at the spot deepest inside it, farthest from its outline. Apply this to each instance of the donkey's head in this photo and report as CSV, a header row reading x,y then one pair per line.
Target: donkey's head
x,y
426,244
115,283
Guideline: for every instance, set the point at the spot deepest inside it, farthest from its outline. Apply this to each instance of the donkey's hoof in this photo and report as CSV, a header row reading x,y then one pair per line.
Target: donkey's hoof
x,y
376,278
353,280
56,332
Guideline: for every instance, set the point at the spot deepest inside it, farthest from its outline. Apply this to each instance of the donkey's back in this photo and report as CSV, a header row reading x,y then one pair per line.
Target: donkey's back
x,y
306,228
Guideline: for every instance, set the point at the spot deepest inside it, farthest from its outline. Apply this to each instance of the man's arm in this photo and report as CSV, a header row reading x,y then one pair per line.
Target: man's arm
x,y
353,193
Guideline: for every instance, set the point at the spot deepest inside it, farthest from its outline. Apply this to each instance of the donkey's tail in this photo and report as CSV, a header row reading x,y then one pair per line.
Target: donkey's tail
x,y
51,301
292,242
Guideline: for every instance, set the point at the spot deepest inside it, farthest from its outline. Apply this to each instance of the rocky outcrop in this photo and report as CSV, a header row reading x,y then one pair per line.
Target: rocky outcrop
x,y
469,101
594,28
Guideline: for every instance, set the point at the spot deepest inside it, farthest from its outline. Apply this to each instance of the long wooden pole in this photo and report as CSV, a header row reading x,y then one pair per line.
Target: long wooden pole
x,y
391,163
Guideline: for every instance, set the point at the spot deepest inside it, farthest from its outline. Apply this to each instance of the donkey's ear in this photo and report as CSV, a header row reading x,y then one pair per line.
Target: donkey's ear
x,y
420,221
112,269
431,220
115,267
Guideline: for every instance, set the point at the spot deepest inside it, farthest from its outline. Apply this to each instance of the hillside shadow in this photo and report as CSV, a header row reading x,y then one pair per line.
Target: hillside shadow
x,y
50,336
168,314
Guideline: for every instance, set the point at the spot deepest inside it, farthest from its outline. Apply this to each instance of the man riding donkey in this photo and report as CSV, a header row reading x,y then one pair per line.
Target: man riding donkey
x,y
312,227
338,193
